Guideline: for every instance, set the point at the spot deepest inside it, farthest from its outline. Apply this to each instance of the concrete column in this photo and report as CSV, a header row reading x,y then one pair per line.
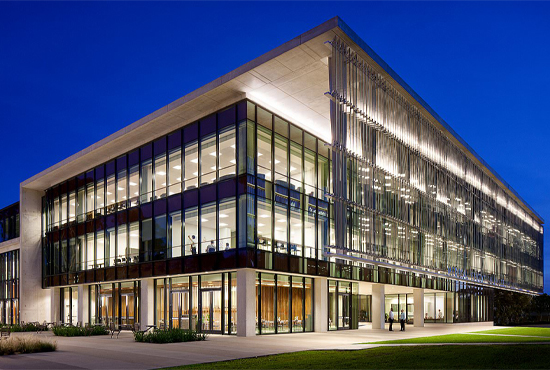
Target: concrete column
x,y
418,296
34,302
147,303
378,314
246,303
320,307
55,305
82,314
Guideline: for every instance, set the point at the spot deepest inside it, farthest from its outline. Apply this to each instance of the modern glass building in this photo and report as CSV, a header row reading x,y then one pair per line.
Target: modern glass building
x,y
310,189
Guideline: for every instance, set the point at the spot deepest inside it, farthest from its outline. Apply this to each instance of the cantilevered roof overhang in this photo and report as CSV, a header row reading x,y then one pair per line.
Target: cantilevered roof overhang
x,y
290,80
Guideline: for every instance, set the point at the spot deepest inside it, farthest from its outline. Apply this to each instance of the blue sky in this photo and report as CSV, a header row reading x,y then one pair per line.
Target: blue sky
x,y
71,73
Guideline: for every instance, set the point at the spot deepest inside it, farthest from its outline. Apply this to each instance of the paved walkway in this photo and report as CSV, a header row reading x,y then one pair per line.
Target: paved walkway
x,y
102,352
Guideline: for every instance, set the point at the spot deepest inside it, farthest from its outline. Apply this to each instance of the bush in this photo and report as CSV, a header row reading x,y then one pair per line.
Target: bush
x,y
168,336
27,327
26,344
77,331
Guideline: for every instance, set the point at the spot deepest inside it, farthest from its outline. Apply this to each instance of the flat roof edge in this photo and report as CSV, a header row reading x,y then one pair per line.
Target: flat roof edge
x,y
371,53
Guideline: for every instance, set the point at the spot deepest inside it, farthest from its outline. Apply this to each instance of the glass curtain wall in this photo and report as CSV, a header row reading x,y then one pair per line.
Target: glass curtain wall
x,y
116,303
206,303
9,287
284,303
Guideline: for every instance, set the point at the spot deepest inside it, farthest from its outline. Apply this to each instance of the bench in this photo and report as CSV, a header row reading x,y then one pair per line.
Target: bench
x,y
5,333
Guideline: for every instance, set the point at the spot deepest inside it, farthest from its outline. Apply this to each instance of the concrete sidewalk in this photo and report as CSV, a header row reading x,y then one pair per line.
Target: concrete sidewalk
x,y
102,352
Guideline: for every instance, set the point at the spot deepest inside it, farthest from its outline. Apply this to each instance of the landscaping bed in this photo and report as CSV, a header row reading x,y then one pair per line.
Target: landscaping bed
x,y
77,331
169,336
26,344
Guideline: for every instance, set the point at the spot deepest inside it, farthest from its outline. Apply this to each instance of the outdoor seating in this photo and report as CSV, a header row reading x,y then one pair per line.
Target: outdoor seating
x,y
114,329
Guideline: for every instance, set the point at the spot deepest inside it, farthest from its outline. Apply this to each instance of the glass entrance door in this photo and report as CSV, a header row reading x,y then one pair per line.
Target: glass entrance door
x,y
211,311
180,309
343,310
127,316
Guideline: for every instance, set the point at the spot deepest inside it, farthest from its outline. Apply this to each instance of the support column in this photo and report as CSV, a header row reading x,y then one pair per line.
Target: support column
x,y
147,303
378,314
418,296
320,308
55,305
246,303
82,314
34,302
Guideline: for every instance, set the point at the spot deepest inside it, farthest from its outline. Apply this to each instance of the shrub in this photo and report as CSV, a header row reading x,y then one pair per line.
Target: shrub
x,y
26,344
77,331
27,327
169,336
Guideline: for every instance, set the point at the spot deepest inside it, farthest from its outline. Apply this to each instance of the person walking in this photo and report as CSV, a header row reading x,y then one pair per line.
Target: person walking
x,y
402,319
390,319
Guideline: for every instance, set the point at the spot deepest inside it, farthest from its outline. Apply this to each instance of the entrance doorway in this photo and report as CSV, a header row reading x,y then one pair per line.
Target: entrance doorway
x,y
211,310
180,309
343,310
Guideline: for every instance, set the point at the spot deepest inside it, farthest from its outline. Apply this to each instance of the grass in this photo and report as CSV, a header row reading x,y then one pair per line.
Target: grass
x,y
169,336
26,344
512,335
77,331
415,357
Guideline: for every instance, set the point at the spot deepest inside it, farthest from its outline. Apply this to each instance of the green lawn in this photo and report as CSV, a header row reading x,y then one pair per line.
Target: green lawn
x,y
412,357
512,335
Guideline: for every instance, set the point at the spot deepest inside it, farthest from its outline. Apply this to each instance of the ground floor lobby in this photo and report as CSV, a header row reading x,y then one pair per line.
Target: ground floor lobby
x,y
123,353
249,302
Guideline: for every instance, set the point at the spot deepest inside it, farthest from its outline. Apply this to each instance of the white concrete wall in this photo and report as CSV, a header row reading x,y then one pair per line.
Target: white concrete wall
x,y
55,305
320,307
147,303
83,304
34,301
246,303
418,296
378,314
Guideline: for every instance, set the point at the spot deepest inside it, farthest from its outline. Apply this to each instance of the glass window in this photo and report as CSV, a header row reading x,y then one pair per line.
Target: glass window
x,y
73,254
159,251
174,172
146,240
133,251
133,185
295,232
281,233
309,234
296,167
297,316
121,189
80,204
110,247
264,224
309,173
283,304
72,206
264,153
429,307
208,228
268,303
281,160
227,224
227,159
191,231
208,160
265,118
122,242
56,211
100,198
160,176
309,304
90,251
111,194
323,175
81,248
100,249
146,190
191,166
64,209
175,225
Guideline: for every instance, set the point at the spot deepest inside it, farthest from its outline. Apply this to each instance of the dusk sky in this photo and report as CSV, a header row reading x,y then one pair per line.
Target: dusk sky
x,y
72,73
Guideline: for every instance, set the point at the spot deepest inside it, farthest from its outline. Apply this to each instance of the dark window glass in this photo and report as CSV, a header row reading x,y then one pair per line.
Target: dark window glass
x,y
226,117
146,240
159,251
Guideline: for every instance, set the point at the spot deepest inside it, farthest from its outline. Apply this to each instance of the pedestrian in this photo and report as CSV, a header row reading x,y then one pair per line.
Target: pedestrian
x,y
402,319
390,319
